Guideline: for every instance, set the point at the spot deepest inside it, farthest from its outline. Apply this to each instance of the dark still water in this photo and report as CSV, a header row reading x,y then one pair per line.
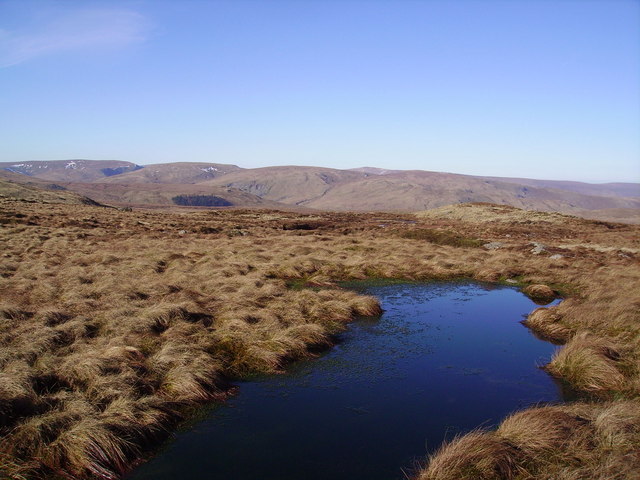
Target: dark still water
x,y
443,359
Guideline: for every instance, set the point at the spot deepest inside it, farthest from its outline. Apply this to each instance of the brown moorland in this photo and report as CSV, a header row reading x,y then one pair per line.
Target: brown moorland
x,y
172,173
115,324
13,187
413,190
362,189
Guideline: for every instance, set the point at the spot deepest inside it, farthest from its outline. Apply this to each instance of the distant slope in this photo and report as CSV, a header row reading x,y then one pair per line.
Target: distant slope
x,y
622,215
292,185
374,170
163,194
70,170
35,192
330,189
177,173
365,188
31,188
629,190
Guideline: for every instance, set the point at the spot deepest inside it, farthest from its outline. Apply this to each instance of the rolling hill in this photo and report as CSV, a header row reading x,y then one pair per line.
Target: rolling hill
x,y
40,192
291,185
141,194
172,173
360,189
628,190
70,170
329,189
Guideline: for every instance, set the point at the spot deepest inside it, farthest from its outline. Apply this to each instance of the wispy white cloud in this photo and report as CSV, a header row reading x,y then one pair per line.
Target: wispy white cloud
x,y
79,30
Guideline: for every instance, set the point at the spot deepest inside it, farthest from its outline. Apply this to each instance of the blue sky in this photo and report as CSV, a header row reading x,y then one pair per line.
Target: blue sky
x,y
540,89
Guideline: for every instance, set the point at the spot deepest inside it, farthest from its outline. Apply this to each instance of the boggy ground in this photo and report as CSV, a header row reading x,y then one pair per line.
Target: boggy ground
x,y
115,324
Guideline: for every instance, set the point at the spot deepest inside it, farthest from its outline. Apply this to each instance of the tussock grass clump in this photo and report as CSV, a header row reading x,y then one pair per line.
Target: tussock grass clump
x,y
366,306
185,374
11,315
590,363
88,449
540,292
53,317
474,456
574,441
618,426
546,322
160,317
17,397
544,431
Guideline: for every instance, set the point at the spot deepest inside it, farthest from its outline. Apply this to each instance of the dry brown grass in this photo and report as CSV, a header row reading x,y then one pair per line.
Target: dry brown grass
x,y
576,441
476,455
540,292
546,432
546,322
590,363
113,324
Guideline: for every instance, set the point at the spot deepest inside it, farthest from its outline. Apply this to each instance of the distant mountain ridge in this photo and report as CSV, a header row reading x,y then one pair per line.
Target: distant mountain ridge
x,y
613,189
365,188
329,189
78,170
173,173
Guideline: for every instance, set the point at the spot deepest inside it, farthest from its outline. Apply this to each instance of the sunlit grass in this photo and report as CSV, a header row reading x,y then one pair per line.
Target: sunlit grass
x,y
114,324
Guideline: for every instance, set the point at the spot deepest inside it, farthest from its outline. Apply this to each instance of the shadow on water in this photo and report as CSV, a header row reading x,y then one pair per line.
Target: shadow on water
x,y
442,359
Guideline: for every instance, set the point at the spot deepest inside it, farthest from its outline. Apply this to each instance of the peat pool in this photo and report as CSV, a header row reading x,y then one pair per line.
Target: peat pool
x,y
444,358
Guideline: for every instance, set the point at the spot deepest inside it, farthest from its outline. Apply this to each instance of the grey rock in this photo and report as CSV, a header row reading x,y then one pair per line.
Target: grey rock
x,y
557,256
538,248
493,245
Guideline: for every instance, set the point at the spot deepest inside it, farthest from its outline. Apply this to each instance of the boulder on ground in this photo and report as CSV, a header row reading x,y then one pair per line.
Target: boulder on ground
x,y
538,248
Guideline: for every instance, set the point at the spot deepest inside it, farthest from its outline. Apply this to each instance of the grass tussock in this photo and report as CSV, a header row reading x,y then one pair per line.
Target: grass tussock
x,y
590,363
114,324
476,455
545,431
554,442
540,292
547,323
